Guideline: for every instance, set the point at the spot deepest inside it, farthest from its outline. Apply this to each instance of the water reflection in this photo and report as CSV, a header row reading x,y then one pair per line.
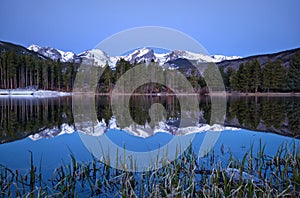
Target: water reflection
x,y
274,114
279,115
21,117
48,117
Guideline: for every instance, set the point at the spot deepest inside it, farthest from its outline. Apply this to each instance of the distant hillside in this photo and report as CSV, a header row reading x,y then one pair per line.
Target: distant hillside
x,y
18,49
284,56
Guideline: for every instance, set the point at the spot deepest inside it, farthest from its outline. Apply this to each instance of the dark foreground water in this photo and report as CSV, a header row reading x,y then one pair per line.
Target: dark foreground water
x,y
49,128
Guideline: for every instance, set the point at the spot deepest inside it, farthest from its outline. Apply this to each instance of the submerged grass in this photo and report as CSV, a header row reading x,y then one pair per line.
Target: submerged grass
x,y
255,175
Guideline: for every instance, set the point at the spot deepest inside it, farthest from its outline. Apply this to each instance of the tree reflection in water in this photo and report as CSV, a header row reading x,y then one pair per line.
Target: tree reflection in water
x,y
21,117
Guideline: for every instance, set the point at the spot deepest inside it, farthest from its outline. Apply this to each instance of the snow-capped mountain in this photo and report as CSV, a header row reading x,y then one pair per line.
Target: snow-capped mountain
x,y
189,56
220,58
97,57
141,55
100,58
147,54
53,53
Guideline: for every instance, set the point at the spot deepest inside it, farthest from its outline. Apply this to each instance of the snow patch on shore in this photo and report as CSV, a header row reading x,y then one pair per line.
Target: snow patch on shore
x,y
47,93
32,93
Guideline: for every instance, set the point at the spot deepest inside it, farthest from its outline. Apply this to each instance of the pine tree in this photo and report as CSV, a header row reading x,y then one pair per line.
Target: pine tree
x,y
121,67
45,75
68,76
1,71
279,76
247,77
12,65
226,76
234,81
107,75
293,80
255,75
57,76
193,79
267,75
242,78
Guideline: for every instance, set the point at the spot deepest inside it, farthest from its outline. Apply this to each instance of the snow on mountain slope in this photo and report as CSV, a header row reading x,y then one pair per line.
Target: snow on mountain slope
x,y
67,56
141,55
94,57
34,48
100,58
188,55
146,54
97,57
53,53
220,58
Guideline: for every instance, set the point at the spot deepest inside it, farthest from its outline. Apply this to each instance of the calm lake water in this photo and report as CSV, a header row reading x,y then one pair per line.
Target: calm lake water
x,y
48,128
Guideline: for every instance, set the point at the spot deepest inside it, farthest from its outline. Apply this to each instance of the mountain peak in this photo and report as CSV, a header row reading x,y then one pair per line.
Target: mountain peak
x,y
53,53
100,58
34,47
140,55
93,53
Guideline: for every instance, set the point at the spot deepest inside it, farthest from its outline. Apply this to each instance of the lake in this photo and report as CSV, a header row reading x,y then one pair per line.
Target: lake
x,y
90,145
45,126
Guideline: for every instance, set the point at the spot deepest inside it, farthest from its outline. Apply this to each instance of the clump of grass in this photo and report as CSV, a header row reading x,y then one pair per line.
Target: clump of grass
x,y
259,175
15,184
256,174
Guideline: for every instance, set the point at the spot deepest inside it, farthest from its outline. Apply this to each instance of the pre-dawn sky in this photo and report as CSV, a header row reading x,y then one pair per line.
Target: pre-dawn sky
x,y
222,27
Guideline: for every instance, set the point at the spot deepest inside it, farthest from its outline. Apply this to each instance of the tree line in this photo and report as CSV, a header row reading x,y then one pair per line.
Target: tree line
x,y
23,71
272,77
28,71
169,78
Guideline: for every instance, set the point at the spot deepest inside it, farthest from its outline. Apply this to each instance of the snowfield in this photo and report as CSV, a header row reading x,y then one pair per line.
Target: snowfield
x,y
47,93
33,93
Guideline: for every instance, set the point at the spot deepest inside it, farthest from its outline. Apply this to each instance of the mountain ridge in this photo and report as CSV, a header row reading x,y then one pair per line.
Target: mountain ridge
x,y
170,57
100,58
175,57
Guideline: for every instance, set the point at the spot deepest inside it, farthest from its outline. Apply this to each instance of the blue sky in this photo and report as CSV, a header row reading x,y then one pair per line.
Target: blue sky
x,y
222,27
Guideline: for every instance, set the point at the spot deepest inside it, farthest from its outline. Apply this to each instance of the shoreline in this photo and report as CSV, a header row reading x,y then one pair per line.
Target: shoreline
x,y
51,93
224,94
264,94
32,93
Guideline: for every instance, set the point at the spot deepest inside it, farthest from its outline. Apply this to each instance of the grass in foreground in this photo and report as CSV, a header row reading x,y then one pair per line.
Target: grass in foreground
x,y
255,175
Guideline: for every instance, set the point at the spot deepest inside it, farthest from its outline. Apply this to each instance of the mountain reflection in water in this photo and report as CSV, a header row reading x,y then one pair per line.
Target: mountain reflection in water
x,y
49,117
